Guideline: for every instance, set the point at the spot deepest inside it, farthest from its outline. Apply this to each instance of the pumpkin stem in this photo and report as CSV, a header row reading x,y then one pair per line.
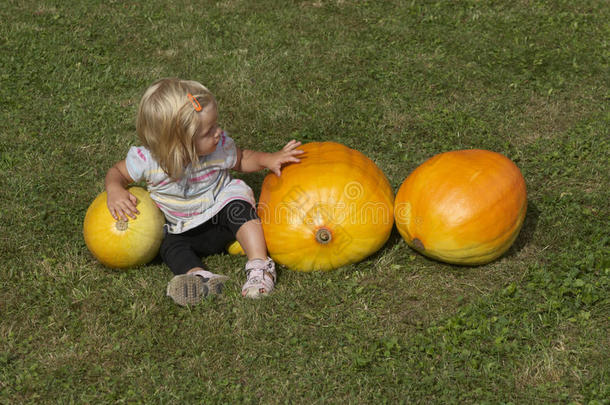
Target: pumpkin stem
x,y
324,236
121,225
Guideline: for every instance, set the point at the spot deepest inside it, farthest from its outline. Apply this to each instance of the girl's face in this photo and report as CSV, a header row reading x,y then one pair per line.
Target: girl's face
x,y
208,131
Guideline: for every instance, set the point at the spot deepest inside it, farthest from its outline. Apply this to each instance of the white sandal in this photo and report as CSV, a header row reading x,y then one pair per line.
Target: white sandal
x,y
261,278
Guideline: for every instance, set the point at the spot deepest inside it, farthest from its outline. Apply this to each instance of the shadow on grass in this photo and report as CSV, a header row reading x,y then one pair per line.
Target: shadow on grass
x,y
527,230
394,239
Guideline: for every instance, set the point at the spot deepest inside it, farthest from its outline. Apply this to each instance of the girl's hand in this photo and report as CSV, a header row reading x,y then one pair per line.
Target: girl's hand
x,y
288,154
121,203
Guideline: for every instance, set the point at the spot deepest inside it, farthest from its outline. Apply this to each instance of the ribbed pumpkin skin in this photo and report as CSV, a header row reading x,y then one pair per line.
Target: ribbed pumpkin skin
x,y
462,207
333,208
134,246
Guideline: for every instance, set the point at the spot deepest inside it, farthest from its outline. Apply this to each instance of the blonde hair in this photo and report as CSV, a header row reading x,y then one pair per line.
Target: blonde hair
x,y
166,122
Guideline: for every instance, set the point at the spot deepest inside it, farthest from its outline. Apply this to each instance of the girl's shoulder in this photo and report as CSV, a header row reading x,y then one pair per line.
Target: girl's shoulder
x,y
141,163
140,153
141,156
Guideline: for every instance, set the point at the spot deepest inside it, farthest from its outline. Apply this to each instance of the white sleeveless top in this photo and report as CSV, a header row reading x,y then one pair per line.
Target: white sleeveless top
x,y
202,192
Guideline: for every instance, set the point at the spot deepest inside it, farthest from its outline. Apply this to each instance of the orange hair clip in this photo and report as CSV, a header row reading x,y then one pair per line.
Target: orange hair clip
x,y
195,103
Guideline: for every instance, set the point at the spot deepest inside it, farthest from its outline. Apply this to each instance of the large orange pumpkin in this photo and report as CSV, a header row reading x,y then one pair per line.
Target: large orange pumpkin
x,y
121,244
333,208
462,207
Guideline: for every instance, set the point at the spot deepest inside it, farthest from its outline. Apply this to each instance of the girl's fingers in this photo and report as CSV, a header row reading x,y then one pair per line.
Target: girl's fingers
x,y
114,212
119,215
292,145
292,159
134,202
122,214
289,159
123,211
130,211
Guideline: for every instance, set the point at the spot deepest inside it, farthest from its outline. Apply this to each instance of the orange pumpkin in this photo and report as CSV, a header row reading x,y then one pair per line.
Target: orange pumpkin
x,y
333,208
121,244
462,207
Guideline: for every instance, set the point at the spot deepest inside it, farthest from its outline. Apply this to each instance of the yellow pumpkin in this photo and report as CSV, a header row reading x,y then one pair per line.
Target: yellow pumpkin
x,y
235,249
462,207
121,244
333,208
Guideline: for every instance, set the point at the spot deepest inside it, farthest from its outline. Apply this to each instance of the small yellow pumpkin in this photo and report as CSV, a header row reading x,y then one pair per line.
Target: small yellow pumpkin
x,y
235,249
333,208
462,207
122,244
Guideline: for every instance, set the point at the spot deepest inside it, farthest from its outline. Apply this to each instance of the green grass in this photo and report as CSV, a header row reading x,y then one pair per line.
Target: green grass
x,y
399,81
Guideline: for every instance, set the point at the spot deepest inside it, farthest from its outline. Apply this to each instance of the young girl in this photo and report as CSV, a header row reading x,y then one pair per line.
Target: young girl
x,y
185,160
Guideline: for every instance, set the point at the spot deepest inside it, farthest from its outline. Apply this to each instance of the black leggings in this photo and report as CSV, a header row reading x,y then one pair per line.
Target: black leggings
x,y
183,251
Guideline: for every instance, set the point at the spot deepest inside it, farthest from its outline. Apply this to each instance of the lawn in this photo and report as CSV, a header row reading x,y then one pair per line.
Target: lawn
x,y
399,81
